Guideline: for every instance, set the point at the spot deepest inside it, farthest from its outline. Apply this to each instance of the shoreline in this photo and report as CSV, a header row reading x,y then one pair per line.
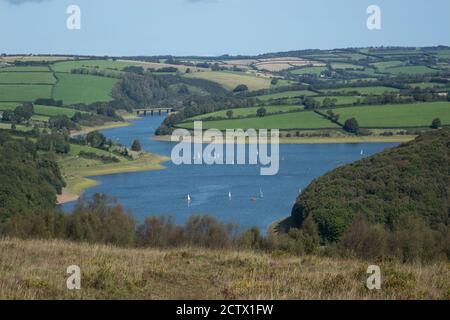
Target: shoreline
x,y
107,125
308,140
80,180
66,197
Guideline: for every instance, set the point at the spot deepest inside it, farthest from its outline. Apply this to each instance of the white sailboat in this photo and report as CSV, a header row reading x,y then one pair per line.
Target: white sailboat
x,y
362,152
229,195
188,198
261,194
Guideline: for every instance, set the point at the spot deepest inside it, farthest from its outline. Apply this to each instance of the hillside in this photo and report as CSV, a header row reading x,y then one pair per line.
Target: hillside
x,y
410,180
39,272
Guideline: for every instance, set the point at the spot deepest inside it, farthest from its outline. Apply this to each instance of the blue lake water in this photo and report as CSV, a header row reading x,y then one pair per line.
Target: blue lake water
x,y
164,192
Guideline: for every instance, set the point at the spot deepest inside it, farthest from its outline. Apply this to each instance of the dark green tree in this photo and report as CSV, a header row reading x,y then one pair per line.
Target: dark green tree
x,y
241,88
95,139
261,112
136,146
436,123
351,125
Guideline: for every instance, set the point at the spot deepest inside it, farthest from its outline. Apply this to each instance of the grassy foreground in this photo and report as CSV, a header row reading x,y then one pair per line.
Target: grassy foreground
x,y
39,272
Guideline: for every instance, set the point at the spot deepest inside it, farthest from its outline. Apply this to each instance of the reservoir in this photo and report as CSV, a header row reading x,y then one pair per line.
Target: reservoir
x,y
231,193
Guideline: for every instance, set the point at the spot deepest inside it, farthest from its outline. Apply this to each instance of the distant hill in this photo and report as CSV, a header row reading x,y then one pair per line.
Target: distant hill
x,y
412,179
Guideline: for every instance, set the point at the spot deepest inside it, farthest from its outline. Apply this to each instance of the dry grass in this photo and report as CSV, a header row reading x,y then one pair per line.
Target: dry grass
x,y
37,270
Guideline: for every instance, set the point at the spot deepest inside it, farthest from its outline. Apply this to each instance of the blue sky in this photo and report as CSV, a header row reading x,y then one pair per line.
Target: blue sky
x,y
214,27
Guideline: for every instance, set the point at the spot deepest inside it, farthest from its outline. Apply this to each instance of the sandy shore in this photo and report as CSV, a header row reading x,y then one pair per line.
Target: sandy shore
x,y
66,197
108,125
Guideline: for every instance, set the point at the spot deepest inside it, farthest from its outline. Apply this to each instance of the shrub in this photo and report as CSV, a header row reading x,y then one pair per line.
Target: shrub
x,y
136,146
352,126
436,123
240,88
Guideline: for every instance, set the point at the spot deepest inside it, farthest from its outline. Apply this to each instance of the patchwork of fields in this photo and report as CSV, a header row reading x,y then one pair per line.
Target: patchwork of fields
x,y
27,83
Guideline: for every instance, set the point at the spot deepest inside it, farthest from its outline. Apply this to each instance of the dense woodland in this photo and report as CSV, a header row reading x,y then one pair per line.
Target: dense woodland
x,y
393,203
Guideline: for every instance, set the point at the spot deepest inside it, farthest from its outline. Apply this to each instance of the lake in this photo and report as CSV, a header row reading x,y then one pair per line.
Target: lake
x,y
255,200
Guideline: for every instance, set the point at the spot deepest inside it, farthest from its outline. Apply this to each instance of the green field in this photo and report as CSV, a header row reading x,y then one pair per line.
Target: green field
x,y
354,56
364,90
67,66
243,112
384,65
309,70
18,127
286,94
23,93
283,83
339,100
340,65
37,117
43,111
411,70
8,105
53,111
25,69
27,78
231,80
365,72
295,120
424,85
396,115
76,88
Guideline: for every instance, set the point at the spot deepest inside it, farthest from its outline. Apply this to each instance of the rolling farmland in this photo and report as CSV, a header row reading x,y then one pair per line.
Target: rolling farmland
x,y
75,88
